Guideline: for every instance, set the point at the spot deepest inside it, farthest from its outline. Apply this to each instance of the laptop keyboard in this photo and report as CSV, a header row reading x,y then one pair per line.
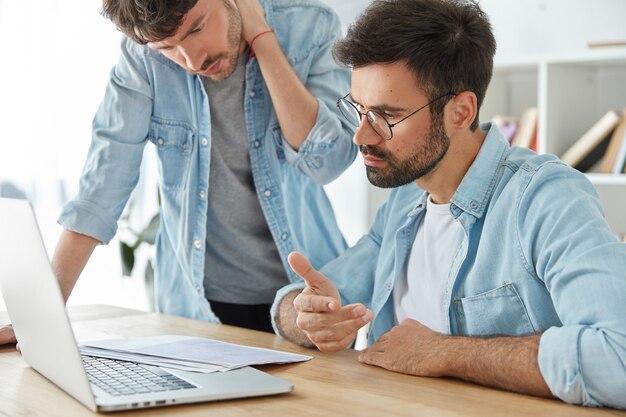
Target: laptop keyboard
x,y
128,378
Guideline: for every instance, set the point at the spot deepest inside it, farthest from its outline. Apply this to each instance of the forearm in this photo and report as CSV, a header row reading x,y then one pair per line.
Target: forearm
x,y
70,257
286,321
508,363
296,108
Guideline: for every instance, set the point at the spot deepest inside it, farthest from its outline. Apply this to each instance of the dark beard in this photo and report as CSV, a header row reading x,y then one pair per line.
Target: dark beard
x,y
399,173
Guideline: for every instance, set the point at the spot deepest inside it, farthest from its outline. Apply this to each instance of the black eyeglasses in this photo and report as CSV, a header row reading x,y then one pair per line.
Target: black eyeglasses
x,y
375,119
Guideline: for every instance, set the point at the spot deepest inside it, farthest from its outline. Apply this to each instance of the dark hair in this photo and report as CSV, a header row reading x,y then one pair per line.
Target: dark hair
x,y
146,21
447,44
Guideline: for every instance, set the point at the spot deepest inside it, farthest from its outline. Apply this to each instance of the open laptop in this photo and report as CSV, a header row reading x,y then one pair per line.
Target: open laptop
x,y
37,311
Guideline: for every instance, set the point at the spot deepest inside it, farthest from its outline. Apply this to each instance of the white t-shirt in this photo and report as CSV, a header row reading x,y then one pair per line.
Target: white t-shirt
x,y
420,294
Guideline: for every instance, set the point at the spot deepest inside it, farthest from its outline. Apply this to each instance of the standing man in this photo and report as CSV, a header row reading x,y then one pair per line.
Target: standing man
x,y
238,98
487,263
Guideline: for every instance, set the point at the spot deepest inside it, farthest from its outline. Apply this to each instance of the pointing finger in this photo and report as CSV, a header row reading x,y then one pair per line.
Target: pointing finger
x,y
303,268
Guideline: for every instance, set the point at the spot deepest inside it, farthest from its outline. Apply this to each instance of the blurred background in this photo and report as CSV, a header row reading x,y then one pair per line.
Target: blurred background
x,y
56,57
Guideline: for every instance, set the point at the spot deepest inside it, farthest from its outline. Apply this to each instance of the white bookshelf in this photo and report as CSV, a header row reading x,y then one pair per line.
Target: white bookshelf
x,y
571,94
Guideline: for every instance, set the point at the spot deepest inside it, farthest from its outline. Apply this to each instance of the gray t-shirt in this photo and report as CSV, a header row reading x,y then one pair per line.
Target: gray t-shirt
x,y
242,264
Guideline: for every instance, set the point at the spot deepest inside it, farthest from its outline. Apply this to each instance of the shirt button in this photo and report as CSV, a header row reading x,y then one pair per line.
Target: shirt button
x,y
204,141
267,193
473,204
197,244
252,94
160,141
283,236
201,194
257,143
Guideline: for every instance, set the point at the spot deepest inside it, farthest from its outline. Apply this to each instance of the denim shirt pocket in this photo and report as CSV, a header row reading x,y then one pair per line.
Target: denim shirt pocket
x,y
174,143
500,311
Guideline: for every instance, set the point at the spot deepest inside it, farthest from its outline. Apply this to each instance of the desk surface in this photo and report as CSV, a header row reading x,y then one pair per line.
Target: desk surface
x,y
329,385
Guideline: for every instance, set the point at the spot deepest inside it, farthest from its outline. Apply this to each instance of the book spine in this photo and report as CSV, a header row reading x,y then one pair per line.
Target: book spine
x,y
620,159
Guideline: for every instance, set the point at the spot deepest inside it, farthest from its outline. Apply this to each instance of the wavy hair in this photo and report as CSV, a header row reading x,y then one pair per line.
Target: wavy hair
x,y
145,21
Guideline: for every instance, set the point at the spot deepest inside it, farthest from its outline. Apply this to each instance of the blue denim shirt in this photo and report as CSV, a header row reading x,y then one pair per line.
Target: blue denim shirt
x,y
150,99
537,256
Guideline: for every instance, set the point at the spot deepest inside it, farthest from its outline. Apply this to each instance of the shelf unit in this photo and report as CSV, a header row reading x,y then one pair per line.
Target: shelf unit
x,y
571,94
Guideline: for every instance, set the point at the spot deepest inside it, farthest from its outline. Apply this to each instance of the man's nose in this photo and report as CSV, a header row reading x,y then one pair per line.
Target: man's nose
x,y
365,133
194,58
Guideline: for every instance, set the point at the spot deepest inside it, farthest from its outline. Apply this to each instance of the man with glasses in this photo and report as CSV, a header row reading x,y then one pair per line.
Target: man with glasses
x,y
487,263
238,99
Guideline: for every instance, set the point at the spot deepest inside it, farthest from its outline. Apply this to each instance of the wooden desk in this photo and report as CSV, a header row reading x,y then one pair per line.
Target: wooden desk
x,y
329,385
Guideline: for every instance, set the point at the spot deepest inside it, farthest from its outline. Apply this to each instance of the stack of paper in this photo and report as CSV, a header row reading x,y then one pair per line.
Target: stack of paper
x,y
187,353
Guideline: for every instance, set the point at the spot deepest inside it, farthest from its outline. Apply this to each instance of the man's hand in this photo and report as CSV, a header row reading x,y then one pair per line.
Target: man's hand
x,y
253,18
7,335
507,362
321,317
409,348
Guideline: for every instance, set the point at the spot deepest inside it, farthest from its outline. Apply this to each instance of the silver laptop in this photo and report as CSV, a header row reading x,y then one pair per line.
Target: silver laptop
x,y
42,327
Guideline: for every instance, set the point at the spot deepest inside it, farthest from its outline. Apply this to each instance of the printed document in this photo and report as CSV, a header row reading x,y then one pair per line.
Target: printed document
x,y
187,353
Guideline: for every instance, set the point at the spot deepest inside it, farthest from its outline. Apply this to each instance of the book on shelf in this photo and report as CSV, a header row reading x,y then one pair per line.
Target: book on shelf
x,y
507,125
613,159
619,165
526,134
592,145
508,130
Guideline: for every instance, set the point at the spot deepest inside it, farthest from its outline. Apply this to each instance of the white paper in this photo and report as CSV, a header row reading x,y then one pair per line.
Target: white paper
x,y
190,353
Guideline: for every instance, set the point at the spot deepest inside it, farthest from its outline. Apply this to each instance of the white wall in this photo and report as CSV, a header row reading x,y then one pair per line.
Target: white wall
x,y
554,27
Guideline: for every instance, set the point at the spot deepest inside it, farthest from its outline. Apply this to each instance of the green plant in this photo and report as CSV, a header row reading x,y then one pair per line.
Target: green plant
x,y
147,236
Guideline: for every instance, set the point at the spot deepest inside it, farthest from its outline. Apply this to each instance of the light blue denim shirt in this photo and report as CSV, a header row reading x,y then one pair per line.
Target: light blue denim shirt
x,y
537,256
150,99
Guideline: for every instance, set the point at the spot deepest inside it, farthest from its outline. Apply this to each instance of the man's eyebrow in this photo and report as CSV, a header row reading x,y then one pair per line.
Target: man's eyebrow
x,y
380,107
193,27
386,107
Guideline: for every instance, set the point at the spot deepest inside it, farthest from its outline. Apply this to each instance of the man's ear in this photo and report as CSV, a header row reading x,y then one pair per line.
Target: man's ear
x,y
463,109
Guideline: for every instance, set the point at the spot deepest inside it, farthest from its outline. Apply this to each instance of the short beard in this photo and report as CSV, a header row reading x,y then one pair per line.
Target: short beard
x,y
233,38
424,161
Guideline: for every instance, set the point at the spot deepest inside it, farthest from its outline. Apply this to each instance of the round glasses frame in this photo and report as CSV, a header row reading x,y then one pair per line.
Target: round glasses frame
x,y
349,111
